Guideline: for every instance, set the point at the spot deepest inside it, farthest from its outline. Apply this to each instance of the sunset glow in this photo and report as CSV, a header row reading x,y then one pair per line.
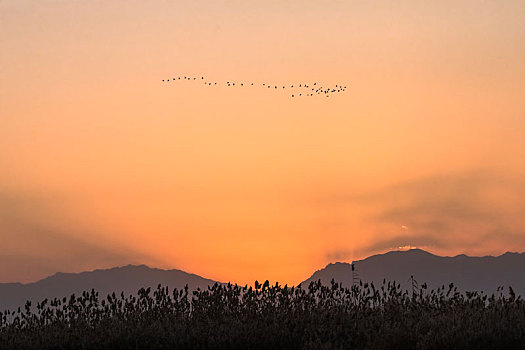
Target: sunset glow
x,y
102,164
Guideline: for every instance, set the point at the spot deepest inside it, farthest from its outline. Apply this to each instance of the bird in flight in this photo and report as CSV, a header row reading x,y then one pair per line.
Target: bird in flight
x,y
303,89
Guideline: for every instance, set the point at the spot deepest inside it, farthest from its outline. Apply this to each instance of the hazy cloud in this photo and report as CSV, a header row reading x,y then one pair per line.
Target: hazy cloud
x,y
476,211
338,255
39,237
456,210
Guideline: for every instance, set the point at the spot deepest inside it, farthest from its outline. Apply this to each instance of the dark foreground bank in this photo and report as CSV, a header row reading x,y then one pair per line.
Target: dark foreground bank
x,y
234,317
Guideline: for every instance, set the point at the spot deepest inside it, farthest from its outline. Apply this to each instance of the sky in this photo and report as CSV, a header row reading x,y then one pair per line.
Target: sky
x,y
102,164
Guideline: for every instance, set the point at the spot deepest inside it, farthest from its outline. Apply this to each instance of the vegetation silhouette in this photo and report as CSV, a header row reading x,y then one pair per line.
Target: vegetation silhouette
x,y
226,316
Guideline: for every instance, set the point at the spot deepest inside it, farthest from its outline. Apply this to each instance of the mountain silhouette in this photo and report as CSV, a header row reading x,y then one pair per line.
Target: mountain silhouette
x,y
128,279
467,273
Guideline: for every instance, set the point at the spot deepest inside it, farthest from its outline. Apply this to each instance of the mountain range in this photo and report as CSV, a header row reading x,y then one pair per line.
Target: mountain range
x,y
467,273
483,274
128,279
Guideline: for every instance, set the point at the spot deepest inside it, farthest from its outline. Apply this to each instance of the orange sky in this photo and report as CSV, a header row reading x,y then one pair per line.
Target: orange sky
x,y
101,164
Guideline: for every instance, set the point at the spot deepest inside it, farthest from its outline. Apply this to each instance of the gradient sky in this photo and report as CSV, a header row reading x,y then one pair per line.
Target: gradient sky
x,y
101,164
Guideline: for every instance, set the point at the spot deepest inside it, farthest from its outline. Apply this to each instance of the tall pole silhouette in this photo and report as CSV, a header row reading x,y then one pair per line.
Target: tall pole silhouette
x,y
355,275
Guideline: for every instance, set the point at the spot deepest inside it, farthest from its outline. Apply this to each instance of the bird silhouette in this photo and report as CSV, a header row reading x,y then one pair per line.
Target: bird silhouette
x,y
312,87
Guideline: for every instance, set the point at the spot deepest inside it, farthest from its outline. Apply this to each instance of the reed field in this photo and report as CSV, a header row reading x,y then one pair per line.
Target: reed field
x,y
227,316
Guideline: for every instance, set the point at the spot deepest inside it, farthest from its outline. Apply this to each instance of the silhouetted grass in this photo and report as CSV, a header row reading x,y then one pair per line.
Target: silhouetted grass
x,y
231,316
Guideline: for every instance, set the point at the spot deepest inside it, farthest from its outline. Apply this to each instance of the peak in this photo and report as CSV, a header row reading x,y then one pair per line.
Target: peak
x,y
337,266
111,269
337,263
418,251
131,266
124,267
413,251
513,254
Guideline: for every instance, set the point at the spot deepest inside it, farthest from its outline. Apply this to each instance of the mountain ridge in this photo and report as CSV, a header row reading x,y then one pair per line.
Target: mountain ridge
x,y
128,279
468,273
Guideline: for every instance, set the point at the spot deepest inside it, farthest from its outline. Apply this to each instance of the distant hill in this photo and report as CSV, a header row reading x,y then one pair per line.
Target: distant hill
x,y
128,279
467,273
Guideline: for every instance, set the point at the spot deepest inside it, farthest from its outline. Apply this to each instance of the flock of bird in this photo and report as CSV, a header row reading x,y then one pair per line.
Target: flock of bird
x,y
297,90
